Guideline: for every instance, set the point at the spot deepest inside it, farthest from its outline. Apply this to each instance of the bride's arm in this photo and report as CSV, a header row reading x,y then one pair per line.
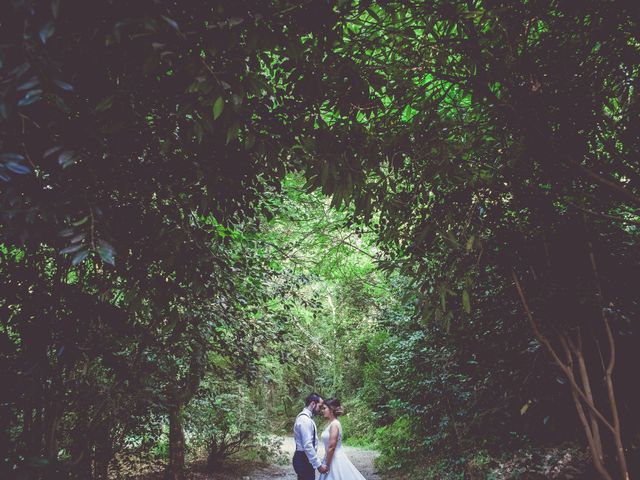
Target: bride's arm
x,y
333,442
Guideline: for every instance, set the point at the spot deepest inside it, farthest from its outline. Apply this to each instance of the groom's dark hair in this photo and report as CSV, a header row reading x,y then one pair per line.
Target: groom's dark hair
x,y
313,397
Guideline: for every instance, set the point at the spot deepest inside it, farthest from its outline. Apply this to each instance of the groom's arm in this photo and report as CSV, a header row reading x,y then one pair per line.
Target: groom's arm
x,y
306,435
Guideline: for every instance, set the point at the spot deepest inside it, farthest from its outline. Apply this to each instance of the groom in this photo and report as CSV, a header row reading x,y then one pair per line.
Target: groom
x,y
305,460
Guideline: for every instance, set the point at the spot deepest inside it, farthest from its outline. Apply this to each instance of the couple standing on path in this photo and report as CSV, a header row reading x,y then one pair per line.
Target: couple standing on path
x,y
336,465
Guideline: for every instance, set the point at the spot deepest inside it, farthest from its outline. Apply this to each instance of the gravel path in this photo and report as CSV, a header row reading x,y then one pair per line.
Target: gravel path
x,y
362,459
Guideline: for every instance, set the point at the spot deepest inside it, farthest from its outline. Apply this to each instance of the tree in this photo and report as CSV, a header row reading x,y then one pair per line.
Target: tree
x,y
497,139
134,134
489,145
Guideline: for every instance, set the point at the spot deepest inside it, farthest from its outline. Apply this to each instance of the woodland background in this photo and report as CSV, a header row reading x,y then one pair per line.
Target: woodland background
x,y
427,208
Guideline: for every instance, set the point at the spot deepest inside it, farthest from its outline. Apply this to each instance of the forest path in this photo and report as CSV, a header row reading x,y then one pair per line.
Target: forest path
x,y
360,457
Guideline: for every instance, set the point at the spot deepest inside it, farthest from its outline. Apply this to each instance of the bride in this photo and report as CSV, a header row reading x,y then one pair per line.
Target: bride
x,y
340,467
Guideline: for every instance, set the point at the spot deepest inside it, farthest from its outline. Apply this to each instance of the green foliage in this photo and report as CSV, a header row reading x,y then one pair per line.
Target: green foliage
x,y
395,448
491,150
136,139
161,448
220,422
359,424
154,242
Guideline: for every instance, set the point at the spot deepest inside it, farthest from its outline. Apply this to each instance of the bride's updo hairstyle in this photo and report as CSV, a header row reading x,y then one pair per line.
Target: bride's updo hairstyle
x,y
334,405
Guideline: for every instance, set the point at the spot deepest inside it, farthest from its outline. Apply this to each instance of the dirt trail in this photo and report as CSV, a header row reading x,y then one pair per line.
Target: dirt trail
x,y
237,470
362,459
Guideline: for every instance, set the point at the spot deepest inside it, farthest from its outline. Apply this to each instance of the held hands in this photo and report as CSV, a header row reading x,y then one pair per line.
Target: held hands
x,y
323,469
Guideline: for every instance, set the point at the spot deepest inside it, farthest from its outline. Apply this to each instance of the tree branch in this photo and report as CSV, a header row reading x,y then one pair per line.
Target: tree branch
x,y
555,357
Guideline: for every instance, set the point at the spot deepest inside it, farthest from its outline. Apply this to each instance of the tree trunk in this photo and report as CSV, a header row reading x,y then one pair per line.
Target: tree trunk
x,y
28,427
81,464
6,442
590,426
80,447
51,421
33,429
103,453
582,395
176,468
177,400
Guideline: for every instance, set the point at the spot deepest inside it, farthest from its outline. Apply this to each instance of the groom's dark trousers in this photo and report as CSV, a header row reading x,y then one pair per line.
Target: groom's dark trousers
x,y
303,467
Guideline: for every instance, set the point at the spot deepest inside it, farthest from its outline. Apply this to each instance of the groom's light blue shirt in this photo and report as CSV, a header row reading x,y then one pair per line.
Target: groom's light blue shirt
x,y
304,433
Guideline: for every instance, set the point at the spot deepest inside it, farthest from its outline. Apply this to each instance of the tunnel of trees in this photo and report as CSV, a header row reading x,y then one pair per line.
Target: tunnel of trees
x,y
426,207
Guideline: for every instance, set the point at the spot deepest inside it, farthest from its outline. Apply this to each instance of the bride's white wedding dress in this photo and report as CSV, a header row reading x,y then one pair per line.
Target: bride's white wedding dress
x,y
341,467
